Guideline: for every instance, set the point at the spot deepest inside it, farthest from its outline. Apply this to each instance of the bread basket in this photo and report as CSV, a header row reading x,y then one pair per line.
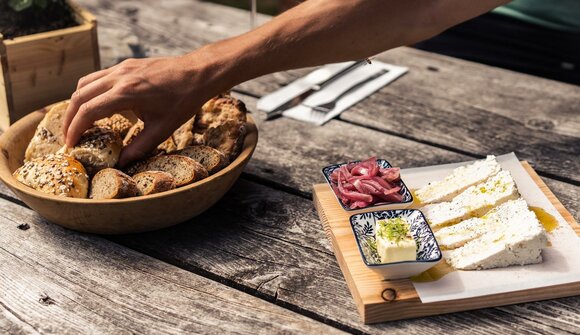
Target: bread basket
x,y
131,215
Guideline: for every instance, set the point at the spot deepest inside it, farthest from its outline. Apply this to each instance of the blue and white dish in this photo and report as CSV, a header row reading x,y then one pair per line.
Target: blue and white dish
x,y
407,196
428,251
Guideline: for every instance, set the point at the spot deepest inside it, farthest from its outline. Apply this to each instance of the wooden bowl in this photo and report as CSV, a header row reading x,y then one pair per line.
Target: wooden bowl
x,y
131,215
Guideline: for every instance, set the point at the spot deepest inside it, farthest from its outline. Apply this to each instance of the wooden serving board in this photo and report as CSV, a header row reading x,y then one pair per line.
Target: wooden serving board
x,y
380,300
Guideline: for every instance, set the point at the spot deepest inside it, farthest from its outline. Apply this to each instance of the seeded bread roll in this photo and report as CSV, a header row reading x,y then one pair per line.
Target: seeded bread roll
x,y
56,174
49,136
150,182
227,138
113,184
184,169
117,122
97,149
212,159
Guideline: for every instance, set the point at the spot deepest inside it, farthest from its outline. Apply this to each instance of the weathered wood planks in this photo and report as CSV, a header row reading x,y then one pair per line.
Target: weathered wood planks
x,y
53,280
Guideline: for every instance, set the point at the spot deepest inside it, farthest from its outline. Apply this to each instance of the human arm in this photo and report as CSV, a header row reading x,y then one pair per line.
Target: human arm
x,y
165,92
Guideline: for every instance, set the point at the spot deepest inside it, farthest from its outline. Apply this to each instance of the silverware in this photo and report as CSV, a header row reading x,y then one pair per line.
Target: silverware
x,y
315,88
319,112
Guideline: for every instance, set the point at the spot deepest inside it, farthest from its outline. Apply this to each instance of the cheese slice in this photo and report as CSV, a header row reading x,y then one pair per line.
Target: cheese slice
x,y
457,235
518,242
460,179
473,202
394,241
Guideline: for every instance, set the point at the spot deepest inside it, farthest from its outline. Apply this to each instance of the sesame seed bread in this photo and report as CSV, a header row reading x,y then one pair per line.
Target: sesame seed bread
x,y
117,122
151,182
111,183
98,148
56,174
184,169
212,159
48,137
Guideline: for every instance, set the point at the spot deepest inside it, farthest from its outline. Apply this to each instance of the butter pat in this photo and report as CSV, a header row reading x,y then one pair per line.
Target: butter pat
x,y
460,179
395,243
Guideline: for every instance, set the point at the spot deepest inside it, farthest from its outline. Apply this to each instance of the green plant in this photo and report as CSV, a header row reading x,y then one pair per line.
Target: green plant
x,y
20,5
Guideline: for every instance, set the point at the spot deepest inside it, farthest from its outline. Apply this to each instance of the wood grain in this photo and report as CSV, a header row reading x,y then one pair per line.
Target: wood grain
x,y
367,287
54,280
33,64
468,108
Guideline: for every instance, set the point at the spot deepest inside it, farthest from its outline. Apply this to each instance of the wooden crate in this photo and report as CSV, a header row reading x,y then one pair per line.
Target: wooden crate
x,y
40,69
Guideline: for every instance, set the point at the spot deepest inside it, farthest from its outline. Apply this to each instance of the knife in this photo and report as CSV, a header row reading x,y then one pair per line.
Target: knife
x,y
312,89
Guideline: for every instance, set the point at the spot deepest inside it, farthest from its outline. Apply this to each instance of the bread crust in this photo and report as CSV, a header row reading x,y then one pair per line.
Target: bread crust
x,y
56,174
118,186
98,148
151,182
48,137
117,122
212,159
184,169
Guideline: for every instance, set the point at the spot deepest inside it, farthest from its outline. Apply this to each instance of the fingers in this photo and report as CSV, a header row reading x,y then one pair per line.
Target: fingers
x,y
82,96
89,112
89,78
142,145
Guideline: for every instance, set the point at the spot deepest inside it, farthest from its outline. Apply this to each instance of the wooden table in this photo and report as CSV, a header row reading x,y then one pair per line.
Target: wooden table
x,y
259,262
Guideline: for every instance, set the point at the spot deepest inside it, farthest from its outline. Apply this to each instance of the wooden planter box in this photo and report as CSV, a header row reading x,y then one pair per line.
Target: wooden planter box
x,y
43,68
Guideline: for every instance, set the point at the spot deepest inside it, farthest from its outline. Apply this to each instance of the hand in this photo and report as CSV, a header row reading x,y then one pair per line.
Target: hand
x,y
163,92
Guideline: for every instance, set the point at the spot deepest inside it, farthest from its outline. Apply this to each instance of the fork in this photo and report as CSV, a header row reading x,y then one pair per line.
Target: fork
x,y
319,112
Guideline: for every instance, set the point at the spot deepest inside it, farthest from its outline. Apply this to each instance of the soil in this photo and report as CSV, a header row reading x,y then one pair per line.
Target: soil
x,y
56,15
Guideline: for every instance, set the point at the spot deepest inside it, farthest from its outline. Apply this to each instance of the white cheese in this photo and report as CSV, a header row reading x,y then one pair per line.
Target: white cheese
x,y
457,235
473,202
518,242
394,247
460,179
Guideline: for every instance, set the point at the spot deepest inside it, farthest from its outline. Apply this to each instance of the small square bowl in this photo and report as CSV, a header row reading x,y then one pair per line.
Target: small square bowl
x,y
407,196
428,251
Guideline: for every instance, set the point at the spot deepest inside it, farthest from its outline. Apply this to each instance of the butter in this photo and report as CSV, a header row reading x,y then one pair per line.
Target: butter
x,y
394,241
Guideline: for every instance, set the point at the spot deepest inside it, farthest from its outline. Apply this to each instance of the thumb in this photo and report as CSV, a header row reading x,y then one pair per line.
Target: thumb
x,y
142,145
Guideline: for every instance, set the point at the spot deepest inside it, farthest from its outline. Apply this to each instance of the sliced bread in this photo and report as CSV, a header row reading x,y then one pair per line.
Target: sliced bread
x,y
212,159
151,182
113,184
184,169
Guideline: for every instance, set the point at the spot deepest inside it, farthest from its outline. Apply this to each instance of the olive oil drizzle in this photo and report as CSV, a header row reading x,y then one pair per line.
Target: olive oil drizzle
x,y
546,219
435,273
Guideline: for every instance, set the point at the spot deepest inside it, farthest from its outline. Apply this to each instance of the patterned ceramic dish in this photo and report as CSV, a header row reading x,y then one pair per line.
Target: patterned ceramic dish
x,y
407,196
428,251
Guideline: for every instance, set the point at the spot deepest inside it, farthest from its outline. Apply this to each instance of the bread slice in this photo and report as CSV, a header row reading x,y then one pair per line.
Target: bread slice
x,y
98,148
56,174
473,202
455,236
150,182
518,242
184,169
460,179
48,137
212,159
227,138
113,184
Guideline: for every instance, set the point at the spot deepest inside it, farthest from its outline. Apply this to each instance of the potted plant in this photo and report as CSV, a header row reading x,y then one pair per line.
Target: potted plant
x,y
45,47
